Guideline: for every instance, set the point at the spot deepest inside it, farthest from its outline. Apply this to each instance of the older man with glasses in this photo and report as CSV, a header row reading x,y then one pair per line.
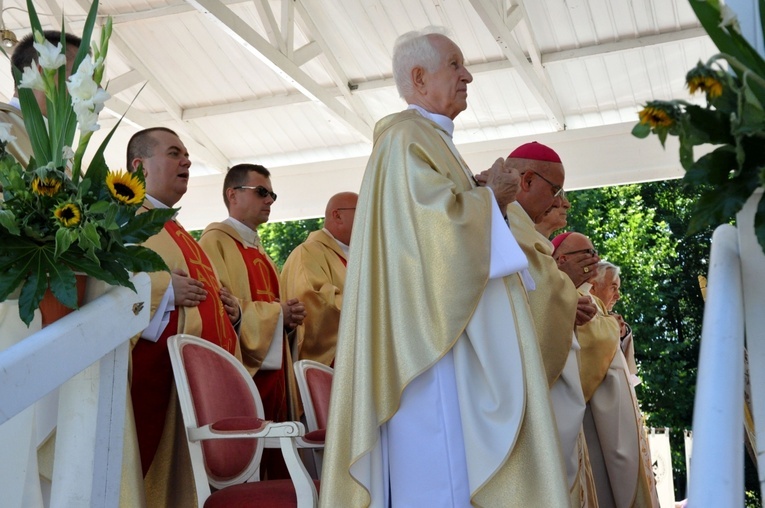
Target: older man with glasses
x,y
613,425
235,250
555,305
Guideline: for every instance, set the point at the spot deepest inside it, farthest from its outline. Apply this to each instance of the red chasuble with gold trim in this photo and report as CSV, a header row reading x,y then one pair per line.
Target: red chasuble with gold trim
x,y
152,377
264,287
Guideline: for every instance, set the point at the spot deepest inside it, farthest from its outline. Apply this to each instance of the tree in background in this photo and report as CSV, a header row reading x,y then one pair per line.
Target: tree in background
x,y
642,228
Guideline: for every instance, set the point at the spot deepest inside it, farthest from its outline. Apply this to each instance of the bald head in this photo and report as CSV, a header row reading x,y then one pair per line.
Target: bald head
x,y
573,243
542,176
339,214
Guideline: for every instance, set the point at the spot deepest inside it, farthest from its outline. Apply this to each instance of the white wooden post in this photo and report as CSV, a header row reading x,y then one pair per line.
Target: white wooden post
x,y
718,413
89,348
753,272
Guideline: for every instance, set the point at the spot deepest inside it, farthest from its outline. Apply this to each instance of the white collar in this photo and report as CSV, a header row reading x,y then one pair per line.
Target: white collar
x,y
249,236
14,101
444,122
343,247
159,204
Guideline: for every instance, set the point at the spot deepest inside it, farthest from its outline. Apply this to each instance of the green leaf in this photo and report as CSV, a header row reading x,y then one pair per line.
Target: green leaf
x,y
759,218
641,130
141,259
146,225
64,239
709,125
713,168
31,294
63,285
8,221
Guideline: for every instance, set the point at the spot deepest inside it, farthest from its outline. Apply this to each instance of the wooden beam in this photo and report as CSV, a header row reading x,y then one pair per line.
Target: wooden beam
x,y
539,87
124,81
245,35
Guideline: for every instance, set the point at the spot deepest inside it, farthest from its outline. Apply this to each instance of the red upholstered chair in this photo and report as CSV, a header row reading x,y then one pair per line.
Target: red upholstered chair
x,y
314,381
222,414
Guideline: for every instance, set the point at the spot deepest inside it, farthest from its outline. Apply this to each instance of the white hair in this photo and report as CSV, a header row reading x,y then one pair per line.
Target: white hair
x,y
601,270
414,49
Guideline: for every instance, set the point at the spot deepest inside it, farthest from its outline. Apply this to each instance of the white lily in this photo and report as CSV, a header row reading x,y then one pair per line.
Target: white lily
x,y
51,57
67,153
31,78
729,19
5,133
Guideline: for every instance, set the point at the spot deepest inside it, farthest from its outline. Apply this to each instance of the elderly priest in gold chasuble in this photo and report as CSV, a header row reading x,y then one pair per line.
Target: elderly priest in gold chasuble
x,y
439,395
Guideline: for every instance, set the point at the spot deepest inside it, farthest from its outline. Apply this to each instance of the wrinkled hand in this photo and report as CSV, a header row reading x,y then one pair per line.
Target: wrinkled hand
x,y
188,292
230,304
579,267
585,310
294,313
622,324
503,179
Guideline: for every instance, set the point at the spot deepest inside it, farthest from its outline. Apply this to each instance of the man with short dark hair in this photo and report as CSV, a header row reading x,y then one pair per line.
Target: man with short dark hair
x,y
235,250
189,299
314,273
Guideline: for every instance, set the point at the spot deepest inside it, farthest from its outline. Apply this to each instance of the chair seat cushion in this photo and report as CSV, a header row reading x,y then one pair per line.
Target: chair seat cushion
x,y
265,494
317,436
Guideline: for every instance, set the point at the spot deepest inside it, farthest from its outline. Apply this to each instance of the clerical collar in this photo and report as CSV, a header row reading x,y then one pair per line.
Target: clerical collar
x,y
342,246
159,204
15,103
249,236
444,122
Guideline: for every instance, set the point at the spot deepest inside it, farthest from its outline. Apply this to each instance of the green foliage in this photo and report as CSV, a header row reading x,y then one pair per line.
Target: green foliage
x,y
280,238
55,220
642,229
733,119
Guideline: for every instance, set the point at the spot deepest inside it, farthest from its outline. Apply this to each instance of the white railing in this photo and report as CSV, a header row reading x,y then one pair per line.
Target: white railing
x,y
86,355
717,474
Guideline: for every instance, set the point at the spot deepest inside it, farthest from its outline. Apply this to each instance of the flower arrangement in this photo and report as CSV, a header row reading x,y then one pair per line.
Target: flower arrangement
x,y
55,218
733,120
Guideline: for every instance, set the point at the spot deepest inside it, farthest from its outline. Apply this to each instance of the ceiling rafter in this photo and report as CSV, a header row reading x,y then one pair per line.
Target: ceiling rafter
x,y
269,22
245,35
490,66
494,20
316,28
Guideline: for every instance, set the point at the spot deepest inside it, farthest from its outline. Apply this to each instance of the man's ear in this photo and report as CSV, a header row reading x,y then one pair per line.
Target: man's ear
x,y
526,180
418,78
231,194
136,164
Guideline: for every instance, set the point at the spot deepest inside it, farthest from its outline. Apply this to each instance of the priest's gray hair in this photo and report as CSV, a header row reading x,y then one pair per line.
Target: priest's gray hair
x,y
414,49
601,270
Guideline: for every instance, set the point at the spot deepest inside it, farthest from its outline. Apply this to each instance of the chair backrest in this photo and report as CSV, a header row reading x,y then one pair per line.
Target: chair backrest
x,y
315,385
213,385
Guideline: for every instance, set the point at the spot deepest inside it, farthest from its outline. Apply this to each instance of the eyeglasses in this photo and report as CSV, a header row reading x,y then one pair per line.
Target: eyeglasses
x,y
557,189
591,252
259,190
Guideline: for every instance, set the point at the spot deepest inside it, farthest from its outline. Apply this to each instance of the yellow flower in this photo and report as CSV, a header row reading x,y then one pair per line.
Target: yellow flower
x,y
655,117
46,187
126,187
709,84
68,214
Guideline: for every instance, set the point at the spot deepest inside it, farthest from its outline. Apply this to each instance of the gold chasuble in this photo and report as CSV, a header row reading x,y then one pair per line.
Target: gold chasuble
x,y
168,477
616,439
314,273
553,302
417,279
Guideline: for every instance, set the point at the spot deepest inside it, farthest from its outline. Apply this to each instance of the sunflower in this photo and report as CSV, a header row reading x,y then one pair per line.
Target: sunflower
x,y
46,186
709,84
68,214
656,116
126,187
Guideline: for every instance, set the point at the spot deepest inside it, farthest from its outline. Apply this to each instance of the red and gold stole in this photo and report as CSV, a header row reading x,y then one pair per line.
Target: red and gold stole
x,y
152,375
